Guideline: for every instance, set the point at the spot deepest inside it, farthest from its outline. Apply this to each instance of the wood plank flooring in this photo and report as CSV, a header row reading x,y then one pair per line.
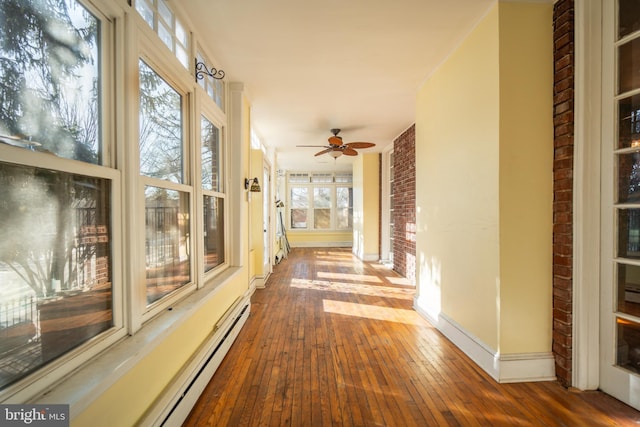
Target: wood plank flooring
x,y
333,341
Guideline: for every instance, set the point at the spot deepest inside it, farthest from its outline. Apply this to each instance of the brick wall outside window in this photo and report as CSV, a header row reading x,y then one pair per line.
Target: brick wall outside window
x,y
563,100
404,166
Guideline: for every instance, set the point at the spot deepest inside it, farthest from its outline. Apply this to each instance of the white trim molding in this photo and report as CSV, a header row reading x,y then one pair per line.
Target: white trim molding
x,y
586,195
504,368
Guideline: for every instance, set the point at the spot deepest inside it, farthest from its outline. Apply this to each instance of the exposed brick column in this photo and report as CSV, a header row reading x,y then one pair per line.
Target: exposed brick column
x,y
404,180
563,119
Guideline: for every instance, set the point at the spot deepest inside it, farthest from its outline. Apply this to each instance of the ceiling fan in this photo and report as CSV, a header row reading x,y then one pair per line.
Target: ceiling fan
x,y
337,147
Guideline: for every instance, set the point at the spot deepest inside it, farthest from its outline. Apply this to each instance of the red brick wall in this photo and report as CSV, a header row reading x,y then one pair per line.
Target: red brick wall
x,y
563,100
404,166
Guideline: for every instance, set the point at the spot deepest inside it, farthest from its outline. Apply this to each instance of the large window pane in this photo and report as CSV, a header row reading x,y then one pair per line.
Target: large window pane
x,y
629,66
629,122
167,241
344,204
628,289
629,233
211,156
161,151
322,208
629,178
628,17
213,232
299,207
49,78
628,345
55,265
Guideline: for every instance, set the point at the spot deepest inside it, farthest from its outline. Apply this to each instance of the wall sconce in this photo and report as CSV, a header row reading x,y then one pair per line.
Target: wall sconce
x,y
252,185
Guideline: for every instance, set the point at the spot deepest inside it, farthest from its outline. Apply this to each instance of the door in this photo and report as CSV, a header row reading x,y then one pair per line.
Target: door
x,y
620,231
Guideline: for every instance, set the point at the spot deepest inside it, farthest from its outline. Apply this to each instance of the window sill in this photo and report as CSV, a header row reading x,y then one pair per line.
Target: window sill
x,y
89,382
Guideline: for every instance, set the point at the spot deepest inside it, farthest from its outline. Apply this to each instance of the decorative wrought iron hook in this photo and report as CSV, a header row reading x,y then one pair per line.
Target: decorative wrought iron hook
x,y
201,70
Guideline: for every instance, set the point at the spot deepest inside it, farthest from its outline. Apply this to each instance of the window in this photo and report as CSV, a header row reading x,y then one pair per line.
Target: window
x,y
163,21
56,234
320,201
92,245
213,198
166,206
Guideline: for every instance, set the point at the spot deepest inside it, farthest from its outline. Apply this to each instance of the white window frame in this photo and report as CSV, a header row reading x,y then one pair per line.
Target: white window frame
x,y
111,38
332,185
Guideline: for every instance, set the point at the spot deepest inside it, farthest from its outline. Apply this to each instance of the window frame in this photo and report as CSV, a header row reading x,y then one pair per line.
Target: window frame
x,y
111,36
310,185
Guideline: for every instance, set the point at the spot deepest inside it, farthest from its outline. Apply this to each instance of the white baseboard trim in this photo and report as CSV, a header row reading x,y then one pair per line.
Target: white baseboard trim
x,y
504,368
257,282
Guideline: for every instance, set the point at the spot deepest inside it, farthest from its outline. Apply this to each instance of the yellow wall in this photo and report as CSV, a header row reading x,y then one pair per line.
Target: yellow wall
x,y
366,206
320,238
483,143
526,163
457,152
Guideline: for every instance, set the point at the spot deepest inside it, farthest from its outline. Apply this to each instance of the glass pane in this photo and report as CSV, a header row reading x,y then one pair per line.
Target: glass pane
x,y
161,154
213,232
629,66
167,241
345,207
298,218
219,93
211,156
50,79
165,13
55,265
182,56
322,218
299,197
344,197
181,34
628,17
628,294
629,233
322,197
629,178
145,11
629,122
628,345
165,35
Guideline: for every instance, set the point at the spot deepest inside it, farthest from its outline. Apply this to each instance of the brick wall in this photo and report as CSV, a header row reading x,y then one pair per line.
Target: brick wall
x,y
404,166
563,100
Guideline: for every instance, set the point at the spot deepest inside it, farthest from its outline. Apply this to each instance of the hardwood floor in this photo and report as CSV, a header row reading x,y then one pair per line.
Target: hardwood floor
x,y
334,341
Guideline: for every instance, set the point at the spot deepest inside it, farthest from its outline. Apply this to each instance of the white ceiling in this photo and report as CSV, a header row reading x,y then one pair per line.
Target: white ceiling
x,y
309,66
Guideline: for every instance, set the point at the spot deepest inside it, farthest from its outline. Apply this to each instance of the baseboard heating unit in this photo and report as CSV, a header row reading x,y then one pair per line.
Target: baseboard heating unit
x,y
173,407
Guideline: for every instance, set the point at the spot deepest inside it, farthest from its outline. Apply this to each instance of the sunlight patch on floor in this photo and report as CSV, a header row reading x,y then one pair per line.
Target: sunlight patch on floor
x,y
399,281
374,312
353,288
348,276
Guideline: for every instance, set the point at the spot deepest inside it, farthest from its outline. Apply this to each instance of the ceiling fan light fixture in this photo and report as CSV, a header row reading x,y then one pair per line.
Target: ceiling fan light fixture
x,y
335,153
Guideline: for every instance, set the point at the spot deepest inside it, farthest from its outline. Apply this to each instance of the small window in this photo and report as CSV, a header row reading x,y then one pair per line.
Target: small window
x,y
213,199
162,20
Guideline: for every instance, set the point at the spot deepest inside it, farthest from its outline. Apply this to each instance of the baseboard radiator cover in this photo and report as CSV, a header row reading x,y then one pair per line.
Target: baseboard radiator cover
x,y
175,404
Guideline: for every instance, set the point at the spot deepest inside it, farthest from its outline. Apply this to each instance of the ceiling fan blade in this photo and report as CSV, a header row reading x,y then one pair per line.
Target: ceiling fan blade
x,y
335,141
360,144
348,151
324,151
